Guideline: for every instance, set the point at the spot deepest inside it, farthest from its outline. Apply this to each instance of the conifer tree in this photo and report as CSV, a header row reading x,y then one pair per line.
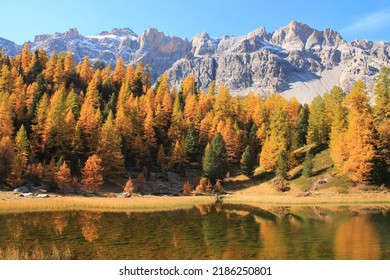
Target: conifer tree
x,y
6,123
215,159
64,178
149,132
7,157
192,144
92,174
187,188
318,129
338,126
382,113
283,165
129,187
308,164
178,156
109,149
300,132
119,72
161,157
22,146
248,162
276,142
360,138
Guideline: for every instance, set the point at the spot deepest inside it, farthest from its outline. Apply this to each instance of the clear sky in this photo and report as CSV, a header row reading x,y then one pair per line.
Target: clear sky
x,y
21,20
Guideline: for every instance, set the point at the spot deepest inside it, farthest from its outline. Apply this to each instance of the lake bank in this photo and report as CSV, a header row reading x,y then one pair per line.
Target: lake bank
x,y
55,202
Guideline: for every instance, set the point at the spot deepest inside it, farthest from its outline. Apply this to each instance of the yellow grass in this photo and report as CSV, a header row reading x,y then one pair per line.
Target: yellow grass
x,y
134,204
285,199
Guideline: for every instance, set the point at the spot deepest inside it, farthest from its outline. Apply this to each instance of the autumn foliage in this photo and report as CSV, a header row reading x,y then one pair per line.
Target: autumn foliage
x,y
106,120
92,174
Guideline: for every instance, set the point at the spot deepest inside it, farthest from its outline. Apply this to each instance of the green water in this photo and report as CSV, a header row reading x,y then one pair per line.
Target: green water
x,y
206,232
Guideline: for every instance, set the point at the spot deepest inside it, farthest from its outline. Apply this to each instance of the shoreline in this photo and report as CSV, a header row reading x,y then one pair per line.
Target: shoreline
x,y
148,203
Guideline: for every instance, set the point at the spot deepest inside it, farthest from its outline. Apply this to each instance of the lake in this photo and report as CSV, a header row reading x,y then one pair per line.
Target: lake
x,y
204,232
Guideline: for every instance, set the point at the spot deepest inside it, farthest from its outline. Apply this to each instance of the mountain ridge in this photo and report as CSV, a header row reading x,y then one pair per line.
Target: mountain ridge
x,y
294,60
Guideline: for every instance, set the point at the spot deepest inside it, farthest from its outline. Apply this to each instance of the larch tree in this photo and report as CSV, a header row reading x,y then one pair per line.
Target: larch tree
x,y
38,126
109,149
149,135
85,70
230,137
92,174
338,126
178,156
6,122
64,178
22,146
276,142
360,138
119,72
382,112
318,129
54,131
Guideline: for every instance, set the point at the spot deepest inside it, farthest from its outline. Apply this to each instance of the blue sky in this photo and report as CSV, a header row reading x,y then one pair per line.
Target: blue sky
x,y
21,20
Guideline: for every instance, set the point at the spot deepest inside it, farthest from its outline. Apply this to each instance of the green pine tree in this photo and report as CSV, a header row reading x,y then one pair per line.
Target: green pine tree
x,y
215,160
248,162
308,164
300,132
283,165
192,144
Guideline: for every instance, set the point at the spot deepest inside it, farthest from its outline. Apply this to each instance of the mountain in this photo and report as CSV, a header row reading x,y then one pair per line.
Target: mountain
x,y
295,60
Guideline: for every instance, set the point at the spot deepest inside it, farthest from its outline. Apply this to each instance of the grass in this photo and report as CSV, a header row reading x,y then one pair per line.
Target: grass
x,y
135,204
287,200
35,253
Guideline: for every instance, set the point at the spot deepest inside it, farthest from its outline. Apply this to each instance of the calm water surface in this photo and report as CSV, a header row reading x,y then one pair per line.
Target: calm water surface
x,y
206,232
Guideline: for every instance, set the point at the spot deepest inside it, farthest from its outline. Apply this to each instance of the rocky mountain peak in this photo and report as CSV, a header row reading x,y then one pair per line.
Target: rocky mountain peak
x,y
295,60
71,34
202,44
122,32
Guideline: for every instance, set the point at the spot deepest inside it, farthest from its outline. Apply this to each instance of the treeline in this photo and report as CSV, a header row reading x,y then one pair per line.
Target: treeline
x,y
62,123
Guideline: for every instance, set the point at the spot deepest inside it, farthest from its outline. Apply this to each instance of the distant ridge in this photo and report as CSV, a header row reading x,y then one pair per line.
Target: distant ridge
x,y
295,60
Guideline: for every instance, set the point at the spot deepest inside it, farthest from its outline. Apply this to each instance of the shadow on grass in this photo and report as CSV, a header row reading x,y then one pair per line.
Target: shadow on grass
x,y
256,180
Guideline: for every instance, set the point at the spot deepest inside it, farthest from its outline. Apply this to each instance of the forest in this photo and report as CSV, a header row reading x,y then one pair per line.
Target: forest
x,y
77,126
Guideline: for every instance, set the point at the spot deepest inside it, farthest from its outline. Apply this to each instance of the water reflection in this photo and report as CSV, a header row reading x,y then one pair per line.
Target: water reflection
x,y
204,232
357,238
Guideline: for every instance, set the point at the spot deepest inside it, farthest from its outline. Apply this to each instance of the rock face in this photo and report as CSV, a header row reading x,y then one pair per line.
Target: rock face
x,y
295,60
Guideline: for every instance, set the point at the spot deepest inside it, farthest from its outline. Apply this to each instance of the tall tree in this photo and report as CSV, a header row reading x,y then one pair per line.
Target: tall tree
x,y
308,164
215,159
248,162
192,144
283,165
7,157
382,112
64,178
22,146
276,142
318,130
92,174
338,125
300,132
109,149
360,138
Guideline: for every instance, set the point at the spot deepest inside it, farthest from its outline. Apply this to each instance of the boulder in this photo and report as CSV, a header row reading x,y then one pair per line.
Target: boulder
x,y
22,189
